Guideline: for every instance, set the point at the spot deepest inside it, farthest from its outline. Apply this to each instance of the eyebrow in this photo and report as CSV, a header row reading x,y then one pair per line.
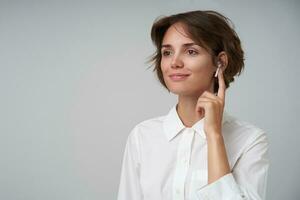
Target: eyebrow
x,y
185,45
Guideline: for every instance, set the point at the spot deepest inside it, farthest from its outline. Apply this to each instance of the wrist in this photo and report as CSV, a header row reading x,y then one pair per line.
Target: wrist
x,y
214,136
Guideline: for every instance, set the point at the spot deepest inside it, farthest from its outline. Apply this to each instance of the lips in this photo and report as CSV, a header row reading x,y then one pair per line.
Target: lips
x,y
178,76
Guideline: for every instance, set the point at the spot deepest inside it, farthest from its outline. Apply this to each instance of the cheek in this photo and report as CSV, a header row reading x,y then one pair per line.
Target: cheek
x,y
163,67
203,71
202,75
203,63
202,68
200,78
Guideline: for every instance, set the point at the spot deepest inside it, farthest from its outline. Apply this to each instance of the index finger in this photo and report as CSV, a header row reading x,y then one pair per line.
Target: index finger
x,y
222,86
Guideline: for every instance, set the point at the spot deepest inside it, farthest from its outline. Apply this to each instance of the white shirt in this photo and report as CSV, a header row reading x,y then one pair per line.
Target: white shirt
x,y
164,160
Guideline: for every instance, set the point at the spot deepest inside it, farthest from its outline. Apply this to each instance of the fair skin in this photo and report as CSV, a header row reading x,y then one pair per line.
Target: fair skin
x,y
195,93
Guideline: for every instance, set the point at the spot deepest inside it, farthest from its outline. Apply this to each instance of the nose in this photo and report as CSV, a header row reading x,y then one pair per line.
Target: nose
x,y
176,62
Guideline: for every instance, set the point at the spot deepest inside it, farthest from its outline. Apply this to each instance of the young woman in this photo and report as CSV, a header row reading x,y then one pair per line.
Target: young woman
x,y
197,150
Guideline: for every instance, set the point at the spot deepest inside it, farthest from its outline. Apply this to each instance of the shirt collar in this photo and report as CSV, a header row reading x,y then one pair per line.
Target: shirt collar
x,y
172,124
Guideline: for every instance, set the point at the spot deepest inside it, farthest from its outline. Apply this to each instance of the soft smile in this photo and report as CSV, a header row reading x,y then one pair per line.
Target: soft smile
x,y
178,77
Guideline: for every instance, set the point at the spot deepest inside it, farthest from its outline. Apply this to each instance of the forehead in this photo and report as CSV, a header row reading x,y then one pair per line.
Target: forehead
x,y
176,33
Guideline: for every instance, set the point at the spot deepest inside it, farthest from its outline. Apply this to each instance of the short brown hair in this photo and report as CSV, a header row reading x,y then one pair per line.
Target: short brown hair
x,y
209,29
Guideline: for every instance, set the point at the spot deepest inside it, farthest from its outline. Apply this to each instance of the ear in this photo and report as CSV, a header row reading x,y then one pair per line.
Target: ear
x,y
222,57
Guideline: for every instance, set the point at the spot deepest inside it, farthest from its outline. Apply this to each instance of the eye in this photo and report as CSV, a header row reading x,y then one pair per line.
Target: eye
x,y
166,53
192,52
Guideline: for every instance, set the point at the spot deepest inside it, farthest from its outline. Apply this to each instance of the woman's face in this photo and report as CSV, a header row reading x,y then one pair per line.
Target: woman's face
x,y
180,56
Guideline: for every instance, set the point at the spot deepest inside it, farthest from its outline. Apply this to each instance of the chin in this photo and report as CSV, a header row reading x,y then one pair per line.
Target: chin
x,y
186,90
183,91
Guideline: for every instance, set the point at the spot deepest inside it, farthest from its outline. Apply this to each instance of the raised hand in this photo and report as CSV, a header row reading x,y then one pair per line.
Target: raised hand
x,y
213,107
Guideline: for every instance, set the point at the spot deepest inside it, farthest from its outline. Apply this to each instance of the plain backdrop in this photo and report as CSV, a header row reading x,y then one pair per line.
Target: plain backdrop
x,y
74,81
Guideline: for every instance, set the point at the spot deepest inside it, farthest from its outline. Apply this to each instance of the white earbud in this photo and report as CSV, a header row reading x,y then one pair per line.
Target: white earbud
x,y
219,66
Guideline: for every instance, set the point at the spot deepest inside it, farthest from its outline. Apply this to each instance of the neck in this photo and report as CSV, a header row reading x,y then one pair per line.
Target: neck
x,y
186,110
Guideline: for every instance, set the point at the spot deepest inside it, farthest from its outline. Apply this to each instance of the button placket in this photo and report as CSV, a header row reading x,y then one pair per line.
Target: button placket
x,y
182,164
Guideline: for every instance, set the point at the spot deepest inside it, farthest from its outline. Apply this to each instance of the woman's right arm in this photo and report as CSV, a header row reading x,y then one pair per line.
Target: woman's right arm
x,y
129,187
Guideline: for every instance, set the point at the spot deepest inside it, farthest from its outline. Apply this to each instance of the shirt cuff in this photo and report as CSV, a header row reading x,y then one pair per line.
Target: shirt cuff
x,y
224,188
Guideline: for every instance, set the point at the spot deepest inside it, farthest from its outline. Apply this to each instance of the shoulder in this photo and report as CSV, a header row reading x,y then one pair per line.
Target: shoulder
x,y
242,128
151,123
148,126
241,135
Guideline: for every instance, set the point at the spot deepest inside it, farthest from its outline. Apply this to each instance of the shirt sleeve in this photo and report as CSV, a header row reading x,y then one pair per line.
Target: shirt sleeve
x,y
248,179
129,186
